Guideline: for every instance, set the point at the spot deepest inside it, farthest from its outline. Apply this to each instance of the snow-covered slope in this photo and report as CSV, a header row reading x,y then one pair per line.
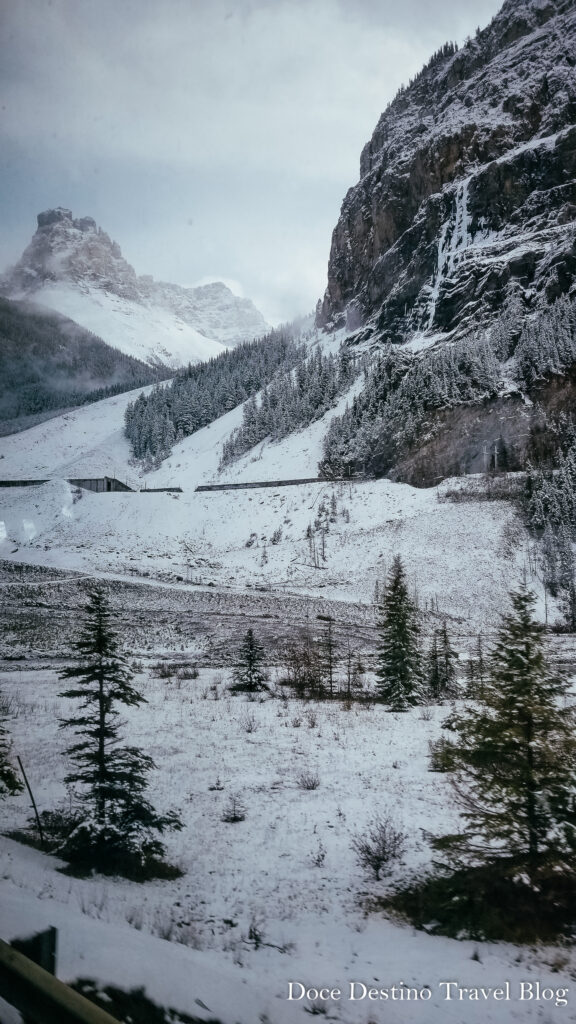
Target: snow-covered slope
x,y
462,562
146,331
89,440
72,266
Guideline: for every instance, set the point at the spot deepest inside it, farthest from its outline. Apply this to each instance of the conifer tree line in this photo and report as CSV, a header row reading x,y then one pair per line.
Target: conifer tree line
x,y
201,393
441,55
383,421
401,389
551,495
293,400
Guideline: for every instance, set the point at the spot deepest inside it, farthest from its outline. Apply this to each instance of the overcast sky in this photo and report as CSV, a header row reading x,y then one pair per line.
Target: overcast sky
x,y
210,138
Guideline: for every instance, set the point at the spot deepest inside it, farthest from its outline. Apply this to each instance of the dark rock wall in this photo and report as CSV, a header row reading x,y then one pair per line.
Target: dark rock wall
x,y
468,185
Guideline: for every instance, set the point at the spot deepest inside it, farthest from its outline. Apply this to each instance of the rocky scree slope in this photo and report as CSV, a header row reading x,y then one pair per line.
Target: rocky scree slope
x,y
74,254
467,190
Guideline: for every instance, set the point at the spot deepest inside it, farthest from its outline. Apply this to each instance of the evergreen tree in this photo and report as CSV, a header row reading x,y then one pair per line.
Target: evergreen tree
x,y
476,672
448,684
570,607
328,652
399,664
433,673
514,758
440,671
249,677
119,828
10,781
480,665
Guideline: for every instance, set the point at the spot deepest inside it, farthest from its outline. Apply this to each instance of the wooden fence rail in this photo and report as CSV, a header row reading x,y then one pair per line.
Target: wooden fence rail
x,y
43,998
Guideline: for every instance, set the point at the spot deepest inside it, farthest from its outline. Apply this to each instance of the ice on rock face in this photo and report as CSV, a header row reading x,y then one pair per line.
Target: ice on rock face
x,y
472,159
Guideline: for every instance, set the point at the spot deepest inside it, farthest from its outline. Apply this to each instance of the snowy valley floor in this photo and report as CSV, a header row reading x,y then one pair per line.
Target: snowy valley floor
x,y
286,872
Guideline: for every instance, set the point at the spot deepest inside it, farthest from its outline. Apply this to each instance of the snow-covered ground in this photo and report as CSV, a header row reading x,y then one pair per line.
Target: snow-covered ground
x,y
287,871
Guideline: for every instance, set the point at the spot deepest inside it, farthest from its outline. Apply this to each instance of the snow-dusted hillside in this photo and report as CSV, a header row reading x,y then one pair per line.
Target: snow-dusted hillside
x,y
146,331
73,267
460,560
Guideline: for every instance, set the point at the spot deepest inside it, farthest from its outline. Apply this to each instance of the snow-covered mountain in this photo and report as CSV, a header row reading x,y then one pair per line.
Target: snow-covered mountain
x,y
72,266
467,190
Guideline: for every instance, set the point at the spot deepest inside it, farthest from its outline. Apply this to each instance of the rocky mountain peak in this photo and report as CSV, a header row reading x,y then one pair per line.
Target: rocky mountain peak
x,y
63,216
56,216
69,264
467,189
74,250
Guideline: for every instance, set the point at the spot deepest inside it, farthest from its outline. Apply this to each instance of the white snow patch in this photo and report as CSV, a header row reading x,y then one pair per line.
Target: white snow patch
x,y
147,332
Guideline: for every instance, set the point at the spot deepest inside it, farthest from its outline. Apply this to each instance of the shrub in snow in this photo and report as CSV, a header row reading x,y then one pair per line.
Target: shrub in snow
x,y
319,855
440,755
304,670
309,780
249,723
379,845
188,672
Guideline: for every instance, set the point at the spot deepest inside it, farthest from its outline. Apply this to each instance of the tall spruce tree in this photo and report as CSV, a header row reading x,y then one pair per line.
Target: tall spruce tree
x,y
399,670
328,654
118,830
513,758
249,676
448,686
434,670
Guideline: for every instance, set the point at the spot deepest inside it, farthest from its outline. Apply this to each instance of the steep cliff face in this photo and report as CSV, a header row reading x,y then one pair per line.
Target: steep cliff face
x,y
72,266
467,190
